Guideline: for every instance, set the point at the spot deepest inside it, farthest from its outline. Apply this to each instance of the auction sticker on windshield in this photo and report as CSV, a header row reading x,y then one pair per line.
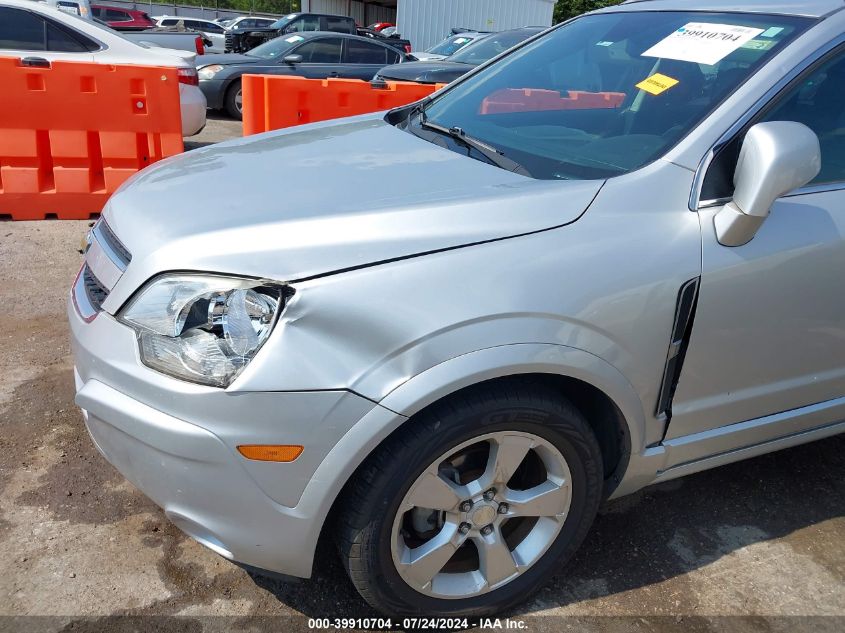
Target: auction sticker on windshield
x,y
702,43
657,83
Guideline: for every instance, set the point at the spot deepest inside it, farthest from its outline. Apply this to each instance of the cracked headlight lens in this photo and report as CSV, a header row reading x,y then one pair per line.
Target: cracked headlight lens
x,y
204,329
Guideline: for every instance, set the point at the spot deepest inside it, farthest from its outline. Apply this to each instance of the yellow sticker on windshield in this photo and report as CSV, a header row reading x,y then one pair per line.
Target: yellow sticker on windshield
x,y
657,83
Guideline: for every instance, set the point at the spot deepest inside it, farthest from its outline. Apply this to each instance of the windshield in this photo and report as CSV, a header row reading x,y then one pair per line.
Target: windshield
x,y
276,48
283,22
487,48
608,93
450,45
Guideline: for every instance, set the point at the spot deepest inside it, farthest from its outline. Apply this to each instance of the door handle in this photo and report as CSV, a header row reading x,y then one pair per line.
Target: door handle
x,y
334,74
35,62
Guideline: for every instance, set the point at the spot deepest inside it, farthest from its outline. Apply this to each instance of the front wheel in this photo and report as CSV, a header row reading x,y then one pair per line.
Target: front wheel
x,y
234,101
474,505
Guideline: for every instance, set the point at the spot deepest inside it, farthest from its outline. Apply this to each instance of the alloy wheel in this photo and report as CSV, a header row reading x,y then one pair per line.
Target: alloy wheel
x,y
481,515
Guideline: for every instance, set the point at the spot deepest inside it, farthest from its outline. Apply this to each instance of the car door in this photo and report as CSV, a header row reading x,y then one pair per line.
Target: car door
x,y
115,16
338,24
362,59
303,23
321,58
39,40
769,332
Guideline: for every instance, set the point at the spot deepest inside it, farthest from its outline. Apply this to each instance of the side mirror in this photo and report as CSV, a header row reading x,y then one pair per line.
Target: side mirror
x,y
776,157
292,59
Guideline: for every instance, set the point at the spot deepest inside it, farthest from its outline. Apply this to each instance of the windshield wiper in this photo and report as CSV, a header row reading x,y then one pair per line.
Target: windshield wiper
x,y
495,156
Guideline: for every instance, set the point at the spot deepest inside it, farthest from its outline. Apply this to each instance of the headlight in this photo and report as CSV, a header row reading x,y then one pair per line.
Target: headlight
x,y
201,328
208,72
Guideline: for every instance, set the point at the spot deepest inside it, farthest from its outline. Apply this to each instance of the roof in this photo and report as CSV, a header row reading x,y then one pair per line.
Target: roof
x,y
808,8
310,35
168,17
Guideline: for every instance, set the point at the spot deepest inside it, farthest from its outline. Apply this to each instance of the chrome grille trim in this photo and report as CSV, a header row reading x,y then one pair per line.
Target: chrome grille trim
x,y
94,290
113,247
101,262
106,259
88,294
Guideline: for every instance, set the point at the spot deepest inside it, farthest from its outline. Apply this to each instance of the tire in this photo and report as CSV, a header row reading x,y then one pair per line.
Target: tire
x,y
376,541
230,101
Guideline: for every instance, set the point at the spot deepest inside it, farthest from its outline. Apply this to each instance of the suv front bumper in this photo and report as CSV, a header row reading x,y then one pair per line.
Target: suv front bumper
x,y
177,442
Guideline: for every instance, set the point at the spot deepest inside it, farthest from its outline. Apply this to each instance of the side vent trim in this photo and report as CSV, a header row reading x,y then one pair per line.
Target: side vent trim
x,y
681,331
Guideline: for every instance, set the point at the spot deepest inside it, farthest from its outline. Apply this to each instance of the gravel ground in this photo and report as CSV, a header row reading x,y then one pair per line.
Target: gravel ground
x,y
758,546
219,127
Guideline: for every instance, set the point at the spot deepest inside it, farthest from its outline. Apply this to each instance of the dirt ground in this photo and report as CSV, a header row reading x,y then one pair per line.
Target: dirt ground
x,y
758,546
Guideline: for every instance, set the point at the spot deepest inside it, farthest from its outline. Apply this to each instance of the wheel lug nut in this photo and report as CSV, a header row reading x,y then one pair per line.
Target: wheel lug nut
x,y
466,506
488,496
487,530
463,528
503,508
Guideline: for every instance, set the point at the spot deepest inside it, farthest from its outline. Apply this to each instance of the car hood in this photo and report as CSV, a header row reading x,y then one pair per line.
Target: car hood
x,y
298,203
428,72
427,57
227,59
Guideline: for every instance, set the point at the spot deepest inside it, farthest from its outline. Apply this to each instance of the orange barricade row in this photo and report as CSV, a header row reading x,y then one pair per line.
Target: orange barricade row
x,y
273,102
72,133
531,100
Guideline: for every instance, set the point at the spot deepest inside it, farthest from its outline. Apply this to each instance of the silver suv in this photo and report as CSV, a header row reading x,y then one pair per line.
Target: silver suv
x,y
610,257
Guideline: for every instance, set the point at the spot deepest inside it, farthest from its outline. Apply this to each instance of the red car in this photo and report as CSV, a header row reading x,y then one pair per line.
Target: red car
x,y
122,19
380,26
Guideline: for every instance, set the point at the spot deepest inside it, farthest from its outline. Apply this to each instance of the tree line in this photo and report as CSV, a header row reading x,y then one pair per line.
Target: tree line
x,y
565,9
247,6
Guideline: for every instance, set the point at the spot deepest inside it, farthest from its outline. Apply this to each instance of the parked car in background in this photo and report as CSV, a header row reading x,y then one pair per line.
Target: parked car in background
x,y
449,46
611,258
393,40
241,40
80,8
315,55
380,26
209,28
447,70
247,22
167,37
122,19
41,35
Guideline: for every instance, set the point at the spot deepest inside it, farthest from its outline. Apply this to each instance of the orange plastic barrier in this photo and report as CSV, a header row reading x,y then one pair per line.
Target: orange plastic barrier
x,y
530,100
72,133
272,102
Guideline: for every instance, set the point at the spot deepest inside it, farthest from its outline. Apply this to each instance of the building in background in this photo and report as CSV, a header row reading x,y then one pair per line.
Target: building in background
x,y
426,22
365,13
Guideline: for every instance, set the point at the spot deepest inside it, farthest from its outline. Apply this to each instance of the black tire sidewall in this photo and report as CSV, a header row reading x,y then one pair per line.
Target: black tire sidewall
x,y
569,434
229,102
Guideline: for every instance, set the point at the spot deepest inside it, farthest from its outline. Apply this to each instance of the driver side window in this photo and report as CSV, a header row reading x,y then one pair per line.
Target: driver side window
x,y
326,51
306,23
817,99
